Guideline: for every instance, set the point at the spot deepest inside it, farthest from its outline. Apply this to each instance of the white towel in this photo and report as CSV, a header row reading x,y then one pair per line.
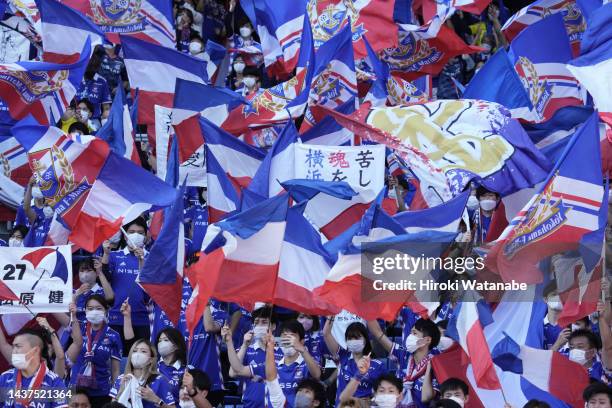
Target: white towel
x,y
129,397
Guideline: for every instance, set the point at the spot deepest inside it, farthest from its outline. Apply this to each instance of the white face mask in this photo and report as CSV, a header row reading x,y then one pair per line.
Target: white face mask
x,y
289,351
165,348
554,302
48,211
36,193
88,277
259,332
115,238
306,323
245,32
249,82
19,361
488,205
103,121
385,400
472,203
139,360
95,316
195,47
355,345
84,114
302,400
187,404
239,67
15,242
445,343
578,356
411,343
457,400
136,239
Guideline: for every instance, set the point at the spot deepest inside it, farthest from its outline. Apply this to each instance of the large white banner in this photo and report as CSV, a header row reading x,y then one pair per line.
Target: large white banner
x,y
193,168
38,279
362,167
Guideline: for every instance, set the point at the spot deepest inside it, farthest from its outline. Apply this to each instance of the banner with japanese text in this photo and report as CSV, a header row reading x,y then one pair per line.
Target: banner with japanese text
x,y
38,279
194,168
362,167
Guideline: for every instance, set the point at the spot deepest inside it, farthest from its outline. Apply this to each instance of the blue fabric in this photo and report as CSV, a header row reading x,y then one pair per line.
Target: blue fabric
x,y
107,348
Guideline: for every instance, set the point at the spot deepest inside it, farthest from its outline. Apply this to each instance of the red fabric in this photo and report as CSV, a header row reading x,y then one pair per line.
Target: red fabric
x,y
480,355
348,294
453,363
168,297
567,380
499,222
90,232
344,220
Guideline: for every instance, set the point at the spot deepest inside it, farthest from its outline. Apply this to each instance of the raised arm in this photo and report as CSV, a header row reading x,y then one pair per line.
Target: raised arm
x,y
237,369
210,325
330,341
380,336
27,201
109,293
313,367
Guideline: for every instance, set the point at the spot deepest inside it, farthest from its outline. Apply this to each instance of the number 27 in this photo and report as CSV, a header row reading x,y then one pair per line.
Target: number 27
x,y
10,271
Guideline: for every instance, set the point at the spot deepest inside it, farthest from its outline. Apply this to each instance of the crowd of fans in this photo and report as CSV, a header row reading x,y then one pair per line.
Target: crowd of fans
x,y
117,348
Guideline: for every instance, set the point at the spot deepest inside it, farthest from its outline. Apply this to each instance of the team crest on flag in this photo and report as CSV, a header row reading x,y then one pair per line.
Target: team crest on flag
x,y
545,217
540,92
412,53
34,85
327,22
117,16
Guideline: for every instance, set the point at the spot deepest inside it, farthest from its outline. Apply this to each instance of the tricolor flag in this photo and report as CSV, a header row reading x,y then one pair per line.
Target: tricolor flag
x,y
64,30
421,53
153,70
279,26
118,131
304,265
466,327
93,189
547,370
41,89
329,132
560,216
231,164
278,165
241,258
573,17
148,20
213,56
162,273
373,18
348,286
543,70
594,66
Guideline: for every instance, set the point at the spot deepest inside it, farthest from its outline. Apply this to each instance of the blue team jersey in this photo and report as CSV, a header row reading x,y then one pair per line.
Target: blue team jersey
x,y
81,300
407,369
21,218
551,334
111,69
199,224
314,343
103,351
244,324
347,369
96,91
37,235
159,385
408,318
174,373
123,270
253,392
289,376
599,373
51,381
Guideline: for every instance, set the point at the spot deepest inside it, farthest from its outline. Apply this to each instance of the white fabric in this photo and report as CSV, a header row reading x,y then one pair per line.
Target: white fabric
x,y
129,397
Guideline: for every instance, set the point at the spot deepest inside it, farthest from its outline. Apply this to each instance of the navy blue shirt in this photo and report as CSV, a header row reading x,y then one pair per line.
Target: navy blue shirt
x,y
105,347
95,90
123,269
